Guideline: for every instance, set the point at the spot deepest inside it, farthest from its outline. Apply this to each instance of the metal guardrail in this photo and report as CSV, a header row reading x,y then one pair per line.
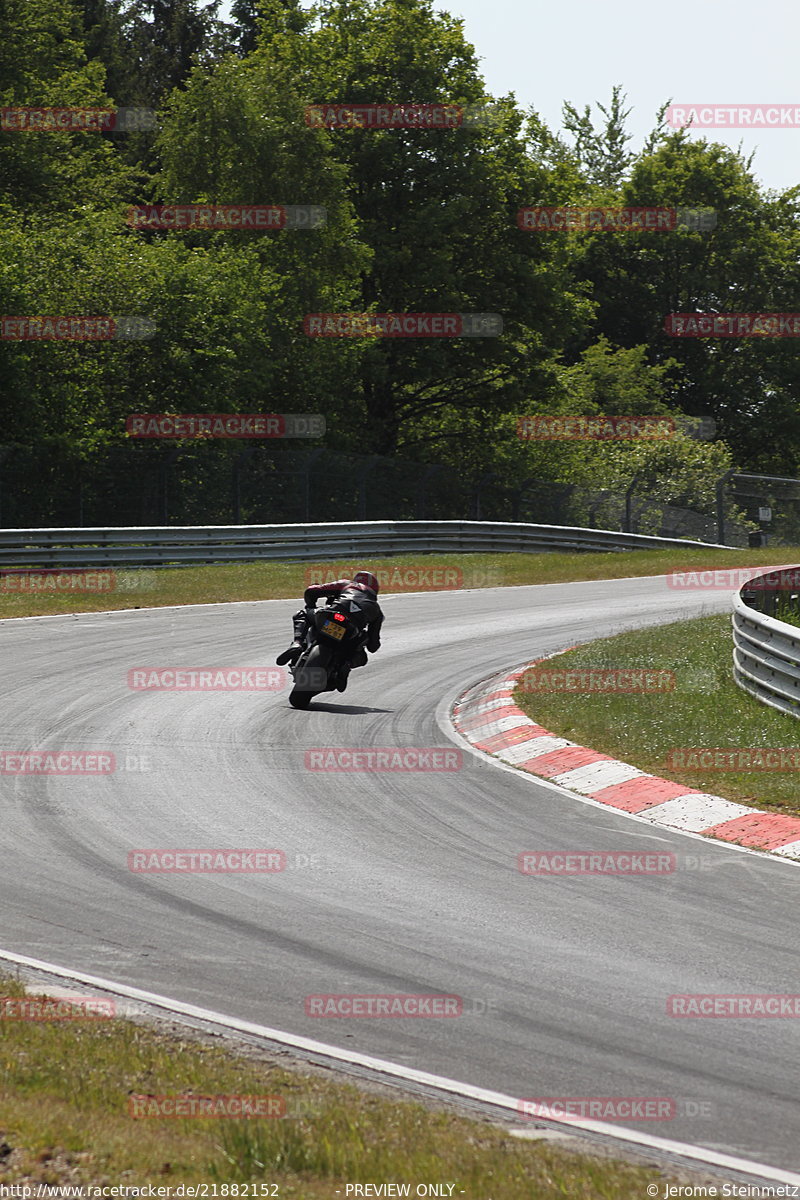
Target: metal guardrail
x,y
184,544
766,651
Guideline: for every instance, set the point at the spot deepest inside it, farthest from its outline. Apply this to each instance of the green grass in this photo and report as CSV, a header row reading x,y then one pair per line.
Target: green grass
x,y
280,580
705,709
786,610
64,1120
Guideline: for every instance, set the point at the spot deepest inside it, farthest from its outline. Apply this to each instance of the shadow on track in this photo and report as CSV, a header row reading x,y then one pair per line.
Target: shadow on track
x,y
344,708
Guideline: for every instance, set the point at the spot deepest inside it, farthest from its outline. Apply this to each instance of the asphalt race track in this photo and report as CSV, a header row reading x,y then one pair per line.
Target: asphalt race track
x,y
396,882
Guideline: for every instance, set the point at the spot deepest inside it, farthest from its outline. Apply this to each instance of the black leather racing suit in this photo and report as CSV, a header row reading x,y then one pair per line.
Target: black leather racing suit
x,y
356,593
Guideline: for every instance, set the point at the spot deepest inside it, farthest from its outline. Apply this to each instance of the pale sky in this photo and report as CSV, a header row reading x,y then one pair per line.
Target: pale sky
x,y
717,52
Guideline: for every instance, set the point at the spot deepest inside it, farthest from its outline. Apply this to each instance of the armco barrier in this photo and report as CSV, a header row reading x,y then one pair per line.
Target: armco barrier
x,y
766,652
183,544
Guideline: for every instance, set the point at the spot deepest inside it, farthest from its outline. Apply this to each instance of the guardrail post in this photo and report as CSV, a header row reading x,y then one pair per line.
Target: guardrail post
x,y
484,479
237,491
167,464
5,452
594,507
422,494
310,460
766,648
516,497
629,501
720,490
368,467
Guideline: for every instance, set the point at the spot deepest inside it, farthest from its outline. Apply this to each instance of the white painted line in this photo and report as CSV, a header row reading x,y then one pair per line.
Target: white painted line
x,y
409,1074
502,725
494,683
790,850
699,811
593,776
474,710
532,748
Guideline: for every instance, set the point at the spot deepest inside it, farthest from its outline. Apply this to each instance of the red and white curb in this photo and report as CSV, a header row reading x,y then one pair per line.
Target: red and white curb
x,y
487,717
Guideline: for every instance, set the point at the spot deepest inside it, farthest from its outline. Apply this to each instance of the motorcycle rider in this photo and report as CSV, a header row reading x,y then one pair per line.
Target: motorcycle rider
x,y
362,590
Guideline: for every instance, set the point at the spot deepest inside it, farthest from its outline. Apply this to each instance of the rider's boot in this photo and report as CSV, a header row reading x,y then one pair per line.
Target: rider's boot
x,y
342,676
300,625
291,655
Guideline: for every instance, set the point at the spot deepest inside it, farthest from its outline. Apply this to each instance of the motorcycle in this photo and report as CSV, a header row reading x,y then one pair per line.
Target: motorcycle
x,y
335,633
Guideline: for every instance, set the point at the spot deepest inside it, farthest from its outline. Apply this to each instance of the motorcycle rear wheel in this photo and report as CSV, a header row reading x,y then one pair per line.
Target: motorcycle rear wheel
x,y
301,697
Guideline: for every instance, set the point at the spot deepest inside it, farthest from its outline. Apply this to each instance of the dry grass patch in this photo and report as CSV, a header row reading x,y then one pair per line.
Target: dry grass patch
x,y
64,1119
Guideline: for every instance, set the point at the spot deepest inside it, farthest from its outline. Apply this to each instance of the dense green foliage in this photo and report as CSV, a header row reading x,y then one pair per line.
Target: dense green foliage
x,y
418,220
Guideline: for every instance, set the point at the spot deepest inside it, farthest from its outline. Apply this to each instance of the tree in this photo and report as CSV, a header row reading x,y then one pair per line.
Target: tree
x,y
601,154
238,136
104,42
166,38
43,64
438,210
